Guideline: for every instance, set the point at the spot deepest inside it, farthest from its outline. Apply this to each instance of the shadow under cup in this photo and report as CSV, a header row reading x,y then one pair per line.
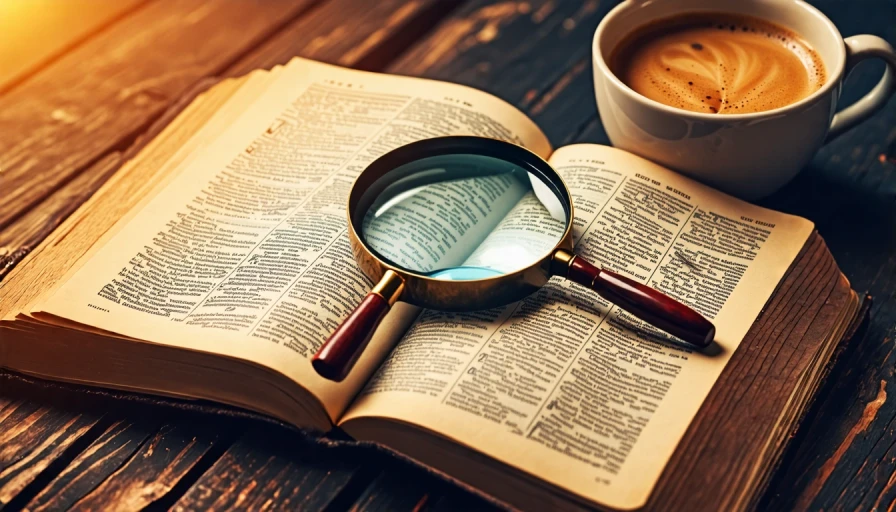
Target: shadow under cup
x,y
747,155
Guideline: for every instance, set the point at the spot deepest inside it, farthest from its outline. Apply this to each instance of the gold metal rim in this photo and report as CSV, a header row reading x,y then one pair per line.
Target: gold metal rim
x,y
456,295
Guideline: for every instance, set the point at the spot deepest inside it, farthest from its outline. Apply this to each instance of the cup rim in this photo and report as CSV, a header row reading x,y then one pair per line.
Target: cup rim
x,y
832,80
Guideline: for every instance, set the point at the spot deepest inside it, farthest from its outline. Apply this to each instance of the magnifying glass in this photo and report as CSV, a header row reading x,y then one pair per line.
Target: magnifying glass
x,y
470,223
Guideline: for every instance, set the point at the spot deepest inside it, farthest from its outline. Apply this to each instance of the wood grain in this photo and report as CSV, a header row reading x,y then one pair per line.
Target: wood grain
x,y
269,468
117,444
32,437
36,31
364,35
162,460
530,53
845,457
396,489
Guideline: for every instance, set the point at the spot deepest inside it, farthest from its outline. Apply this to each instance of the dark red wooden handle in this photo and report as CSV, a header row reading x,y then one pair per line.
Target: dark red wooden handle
x,y
340,352
645,303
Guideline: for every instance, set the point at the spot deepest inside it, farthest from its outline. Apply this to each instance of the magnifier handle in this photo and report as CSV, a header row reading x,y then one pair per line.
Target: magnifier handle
x,y
338,355
644,302
342,349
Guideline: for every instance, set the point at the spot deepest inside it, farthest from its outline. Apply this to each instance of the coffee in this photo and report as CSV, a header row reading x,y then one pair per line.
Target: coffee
x,y
718,63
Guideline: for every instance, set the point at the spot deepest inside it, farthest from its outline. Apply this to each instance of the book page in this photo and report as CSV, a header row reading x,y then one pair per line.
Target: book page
x,y
245,253
565,386
502,221
418,229
523,236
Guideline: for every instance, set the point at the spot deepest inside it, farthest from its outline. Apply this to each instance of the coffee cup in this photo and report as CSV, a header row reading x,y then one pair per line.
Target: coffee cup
x,y
748,155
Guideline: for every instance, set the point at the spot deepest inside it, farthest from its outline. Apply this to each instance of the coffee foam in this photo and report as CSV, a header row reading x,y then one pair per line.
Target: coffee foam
x,y
718,63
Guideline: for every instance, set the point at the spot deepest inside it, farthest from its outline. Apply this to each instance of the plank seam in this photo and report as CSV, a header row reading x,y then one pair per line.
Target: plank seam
x,y
186,482
55,468
394,46
356,487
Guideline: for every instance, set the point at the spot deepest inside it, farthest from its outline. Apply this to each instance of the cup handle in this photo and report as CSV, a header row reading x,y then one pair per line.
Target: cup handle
x,y
859,48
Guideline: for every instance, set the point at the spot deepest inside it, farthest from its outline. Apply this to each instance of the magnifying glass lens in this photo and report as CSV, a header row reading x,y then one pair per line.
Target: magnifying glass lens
x,y
463,216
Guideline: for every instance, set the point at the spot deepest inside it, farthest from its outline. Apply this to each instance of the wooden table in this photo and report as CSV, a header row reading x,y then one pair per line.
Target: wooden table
x,y
90,93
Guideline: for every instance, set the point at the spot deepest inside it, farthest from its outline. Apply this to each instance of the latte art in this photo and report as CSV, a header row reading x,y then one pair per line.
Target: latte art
x,y
718,64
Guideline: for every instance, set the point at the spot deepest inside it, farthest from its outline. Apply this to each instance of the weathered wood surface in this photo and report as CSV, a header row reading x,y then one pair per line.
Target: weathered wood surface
x,y
269,468
35,32
535,54
32,437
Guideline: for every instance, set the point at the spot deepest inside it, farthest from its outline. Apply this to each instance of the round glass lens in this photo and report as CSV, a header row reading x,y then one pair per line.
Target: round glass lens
x,y
464,216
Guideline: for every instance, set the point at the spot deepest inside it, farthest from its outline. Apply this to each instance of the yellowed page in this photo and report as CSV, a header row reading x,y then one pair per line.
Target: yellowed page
x,y
244,253
138,180
559,385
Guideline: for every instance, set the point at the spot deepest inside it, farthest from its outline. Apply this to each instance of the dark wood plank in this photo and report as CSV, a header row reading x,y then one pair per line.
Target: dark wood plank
x,y
844,458
397,486
396,490
852,431
154,470
137,451
528,53
117,444
23,235
365,35
33,436
270,468
451,500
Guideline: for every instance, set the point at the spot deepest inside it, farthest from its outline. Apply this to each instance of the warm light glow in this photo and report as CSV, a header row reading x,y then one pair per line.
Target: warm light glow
x,y
32,32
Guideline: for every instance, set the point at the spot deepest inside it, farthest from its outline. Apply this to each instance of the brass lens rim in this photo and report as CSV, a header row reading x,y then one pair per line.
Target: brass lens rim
x,y
443,294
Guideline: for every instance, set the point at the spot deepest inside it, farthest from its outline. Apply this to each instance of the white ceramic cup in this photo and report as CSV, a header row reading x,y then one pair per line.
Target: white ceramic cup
x,y
747,155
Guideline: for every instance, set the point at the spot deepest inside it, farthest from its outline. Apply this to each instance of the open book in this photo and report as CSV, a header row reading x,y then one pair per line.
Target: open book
x,y
215,263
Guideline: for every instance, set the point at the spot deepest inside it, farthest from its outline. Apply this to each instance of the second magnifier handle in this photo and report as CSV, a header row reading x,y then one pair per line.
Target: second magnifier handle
x,y
338,355
644,302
